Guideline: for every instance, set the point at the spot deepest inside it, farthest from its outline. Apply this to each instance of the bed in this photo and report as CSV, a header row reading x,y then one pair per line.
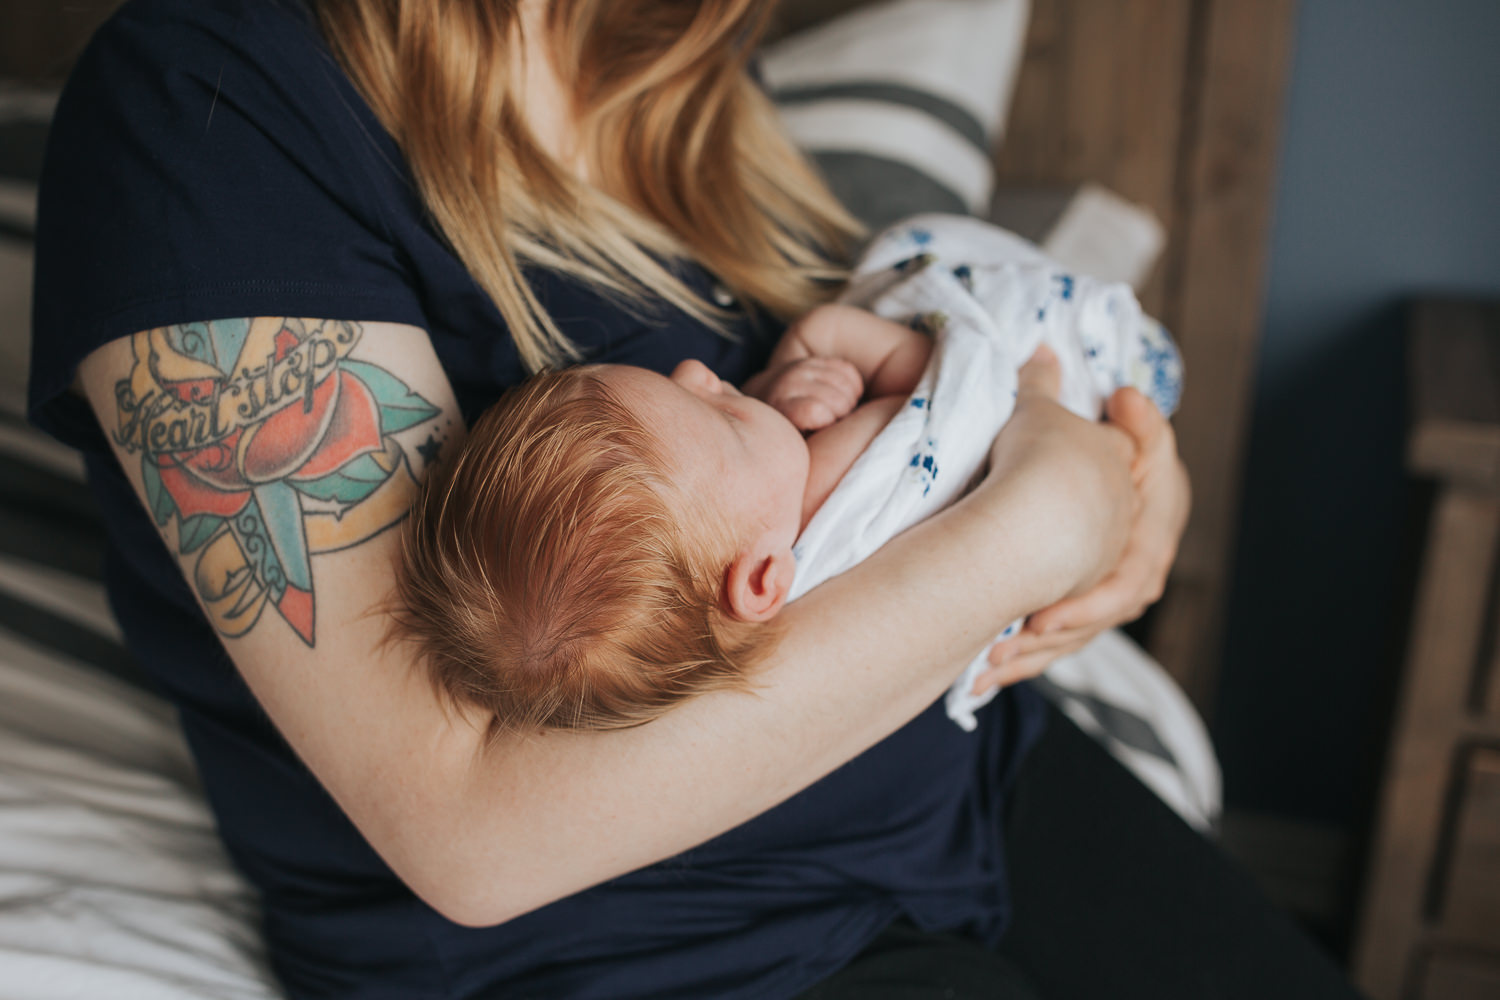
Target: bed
x,y
112,881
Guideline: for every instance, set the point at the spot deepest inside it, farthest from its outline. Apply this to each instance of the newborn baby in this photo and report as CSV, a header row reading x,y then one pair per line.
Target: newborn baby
x,y
610,542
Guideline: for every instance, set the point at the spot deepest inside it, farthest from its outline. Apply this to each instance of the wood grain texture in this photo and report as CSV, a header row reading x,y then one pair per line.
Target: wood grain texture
x,y
1452,602
1490,684
1470,910
1214,297
1100,99
1455,406
1460,977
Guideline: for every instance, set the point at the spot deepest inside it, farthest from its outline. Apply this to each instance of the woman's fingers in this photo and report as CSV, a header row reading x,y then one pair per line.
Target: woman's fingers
x,y
1023,659
1027,643
1133,413
1123,596
1103,606
1161,500
1089,465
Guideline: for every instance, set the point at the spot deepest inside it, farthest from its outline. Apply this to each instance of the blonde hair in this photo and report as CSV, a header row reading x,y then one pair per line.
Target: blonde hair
x,y
685,153
553,578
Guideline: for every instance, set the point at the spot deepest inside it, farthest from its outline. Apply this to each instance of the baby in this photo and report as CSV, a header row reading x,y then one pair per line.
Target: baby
x,y
610,542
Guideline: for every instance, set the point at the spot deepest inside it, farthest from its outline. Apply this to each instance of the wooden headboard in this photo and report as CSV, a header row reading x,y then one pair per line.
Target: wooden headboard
x,y
1175,104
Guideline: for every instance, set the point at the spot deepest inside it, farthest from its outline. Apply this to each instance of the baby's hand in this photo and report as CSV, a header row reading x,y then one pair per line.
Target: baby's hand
x,y
812,392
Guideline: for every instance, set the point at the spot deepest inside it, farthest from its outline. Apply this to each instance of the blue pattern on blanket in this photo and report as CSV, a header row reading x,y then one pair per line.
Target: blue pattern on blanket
x,y
1162,366
988,307
924,465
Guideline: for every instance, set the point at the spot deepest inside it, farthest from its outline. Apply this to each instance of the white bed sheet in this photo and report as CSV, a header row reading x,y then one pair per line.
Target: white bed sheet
x,y
113,883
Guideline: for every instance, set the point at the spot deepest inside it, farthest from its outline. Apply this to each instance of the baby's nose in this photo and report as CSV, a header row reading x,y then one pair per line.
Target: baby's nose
x,y
693,374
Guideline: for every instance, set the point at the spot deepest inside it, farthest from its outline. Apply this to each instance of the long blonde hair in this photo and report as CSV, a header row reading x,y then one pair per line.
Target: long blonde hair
x,y
685,155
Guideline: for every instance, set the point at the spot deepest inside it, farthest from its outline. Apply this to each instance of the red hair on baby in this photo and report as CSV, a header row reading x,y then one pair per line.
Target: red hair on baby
x,y
553,577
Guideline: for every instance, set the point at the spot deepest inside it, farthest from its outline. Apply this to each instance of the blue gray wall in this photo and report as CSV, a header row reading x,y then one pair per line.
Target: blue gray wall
x,y
1389,187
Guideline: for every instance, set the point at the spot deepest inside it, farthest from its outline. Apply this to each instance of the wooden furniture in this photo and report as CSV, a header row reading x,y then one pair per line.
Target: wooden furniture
x,y
1430,929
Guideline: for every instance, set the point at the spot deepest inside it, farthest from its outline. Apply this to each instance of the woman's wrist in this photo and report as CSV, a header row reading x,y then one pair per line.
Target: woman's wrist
x,y
1060,537
1071,477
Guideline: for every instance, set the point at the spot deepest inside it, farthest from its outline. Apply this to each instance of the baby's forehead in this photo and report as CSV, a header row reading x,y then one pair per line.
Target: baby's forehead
x,y
653,399
629,384
681,422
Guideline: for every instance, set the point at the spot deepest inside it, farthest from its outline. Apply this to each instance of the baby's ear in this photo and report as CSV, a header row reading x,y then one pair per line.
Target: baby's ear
x,y
757,583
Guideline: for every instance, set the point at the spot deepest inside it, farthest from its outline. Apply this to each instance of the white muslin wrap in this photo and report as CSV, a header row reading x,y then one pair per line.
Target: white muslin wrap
x,y
988,298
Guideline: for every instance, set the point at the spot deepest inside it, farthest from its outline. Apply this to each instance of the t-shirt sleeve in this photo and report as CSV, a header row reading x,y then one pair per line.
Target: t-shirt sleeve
x,y
207,161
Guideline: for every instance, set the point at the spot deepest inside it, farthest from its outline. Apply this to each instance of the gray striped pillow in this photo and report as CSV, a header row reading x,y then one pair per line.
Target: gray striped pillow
x,y
901,103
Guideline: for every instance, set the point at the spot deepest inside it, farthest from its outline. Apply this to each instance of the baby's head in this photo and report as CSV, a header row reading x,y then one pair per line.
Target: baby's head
x,y
606,544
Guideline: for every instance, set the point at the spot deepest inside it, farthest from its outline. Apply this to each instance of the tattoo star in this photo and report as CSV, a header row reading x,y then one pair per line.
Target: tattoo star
x,y
429,450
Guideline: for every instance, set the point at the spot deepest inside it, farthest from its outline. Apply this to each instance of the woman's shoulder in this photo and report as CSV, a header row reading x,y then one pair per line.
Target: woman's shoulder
x,y
171,76
183,34
209,159
182,18
155,53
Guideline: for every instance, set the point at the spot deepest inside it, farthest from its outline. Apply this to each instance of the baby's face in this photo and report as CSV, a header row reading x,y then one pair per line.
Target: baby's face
x,y
734,453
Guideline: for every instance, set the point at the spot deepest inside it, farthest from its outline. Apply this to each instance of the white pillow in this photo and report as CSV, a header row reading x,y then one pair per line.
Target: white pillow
x,y
902,103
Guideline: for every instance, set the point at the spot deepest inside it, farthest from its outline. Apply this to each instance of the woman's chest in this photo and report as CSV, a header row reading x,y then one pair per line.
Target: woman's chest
x,y
476,350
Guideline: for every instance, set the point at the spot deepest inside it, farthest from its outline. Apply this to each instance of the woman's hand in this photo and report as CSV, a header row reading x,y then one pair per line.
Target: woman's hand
x,y
1076,473
1162,500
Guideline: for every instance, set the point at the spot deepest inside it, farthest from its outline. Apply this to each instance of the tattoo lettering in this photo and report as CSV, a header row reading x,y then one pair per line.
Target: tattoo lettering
x,y
268,444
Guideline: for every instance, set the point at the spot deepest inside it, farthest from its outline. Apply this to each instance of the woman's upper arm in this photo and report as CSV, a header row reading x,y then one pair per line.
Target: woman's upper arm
x,y
275,454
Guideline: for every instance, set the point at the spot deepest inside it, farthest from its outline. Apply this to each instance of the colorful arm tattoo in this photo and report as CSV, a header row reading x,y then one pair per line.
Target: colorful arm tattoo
x,y
267,444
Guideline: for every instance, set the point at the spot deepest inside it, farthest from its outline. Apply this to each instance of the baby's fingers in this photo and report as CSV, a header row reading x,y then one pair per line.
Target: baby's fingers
x,y
834,379
842,377
808,413
817,392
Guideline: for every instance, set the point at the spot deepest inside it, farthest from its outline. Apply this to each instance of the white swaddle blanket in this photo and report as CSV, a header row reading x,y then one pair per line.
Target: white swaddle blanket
x,y
989,299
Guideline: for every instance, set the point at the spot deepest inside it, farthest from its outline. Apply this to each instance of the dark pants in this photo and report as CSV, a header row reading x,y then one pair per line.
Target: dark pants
x,y
1115,898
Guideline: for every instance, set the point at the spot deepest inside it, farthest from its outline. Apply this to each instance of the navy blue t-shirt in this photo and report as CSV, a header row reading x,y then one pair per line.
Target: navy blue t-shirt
x,y
210,160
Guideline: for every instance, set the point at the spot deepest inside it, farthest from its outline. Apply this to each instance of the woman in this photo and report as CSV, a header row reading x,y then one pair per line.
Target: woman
x,y
285,252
